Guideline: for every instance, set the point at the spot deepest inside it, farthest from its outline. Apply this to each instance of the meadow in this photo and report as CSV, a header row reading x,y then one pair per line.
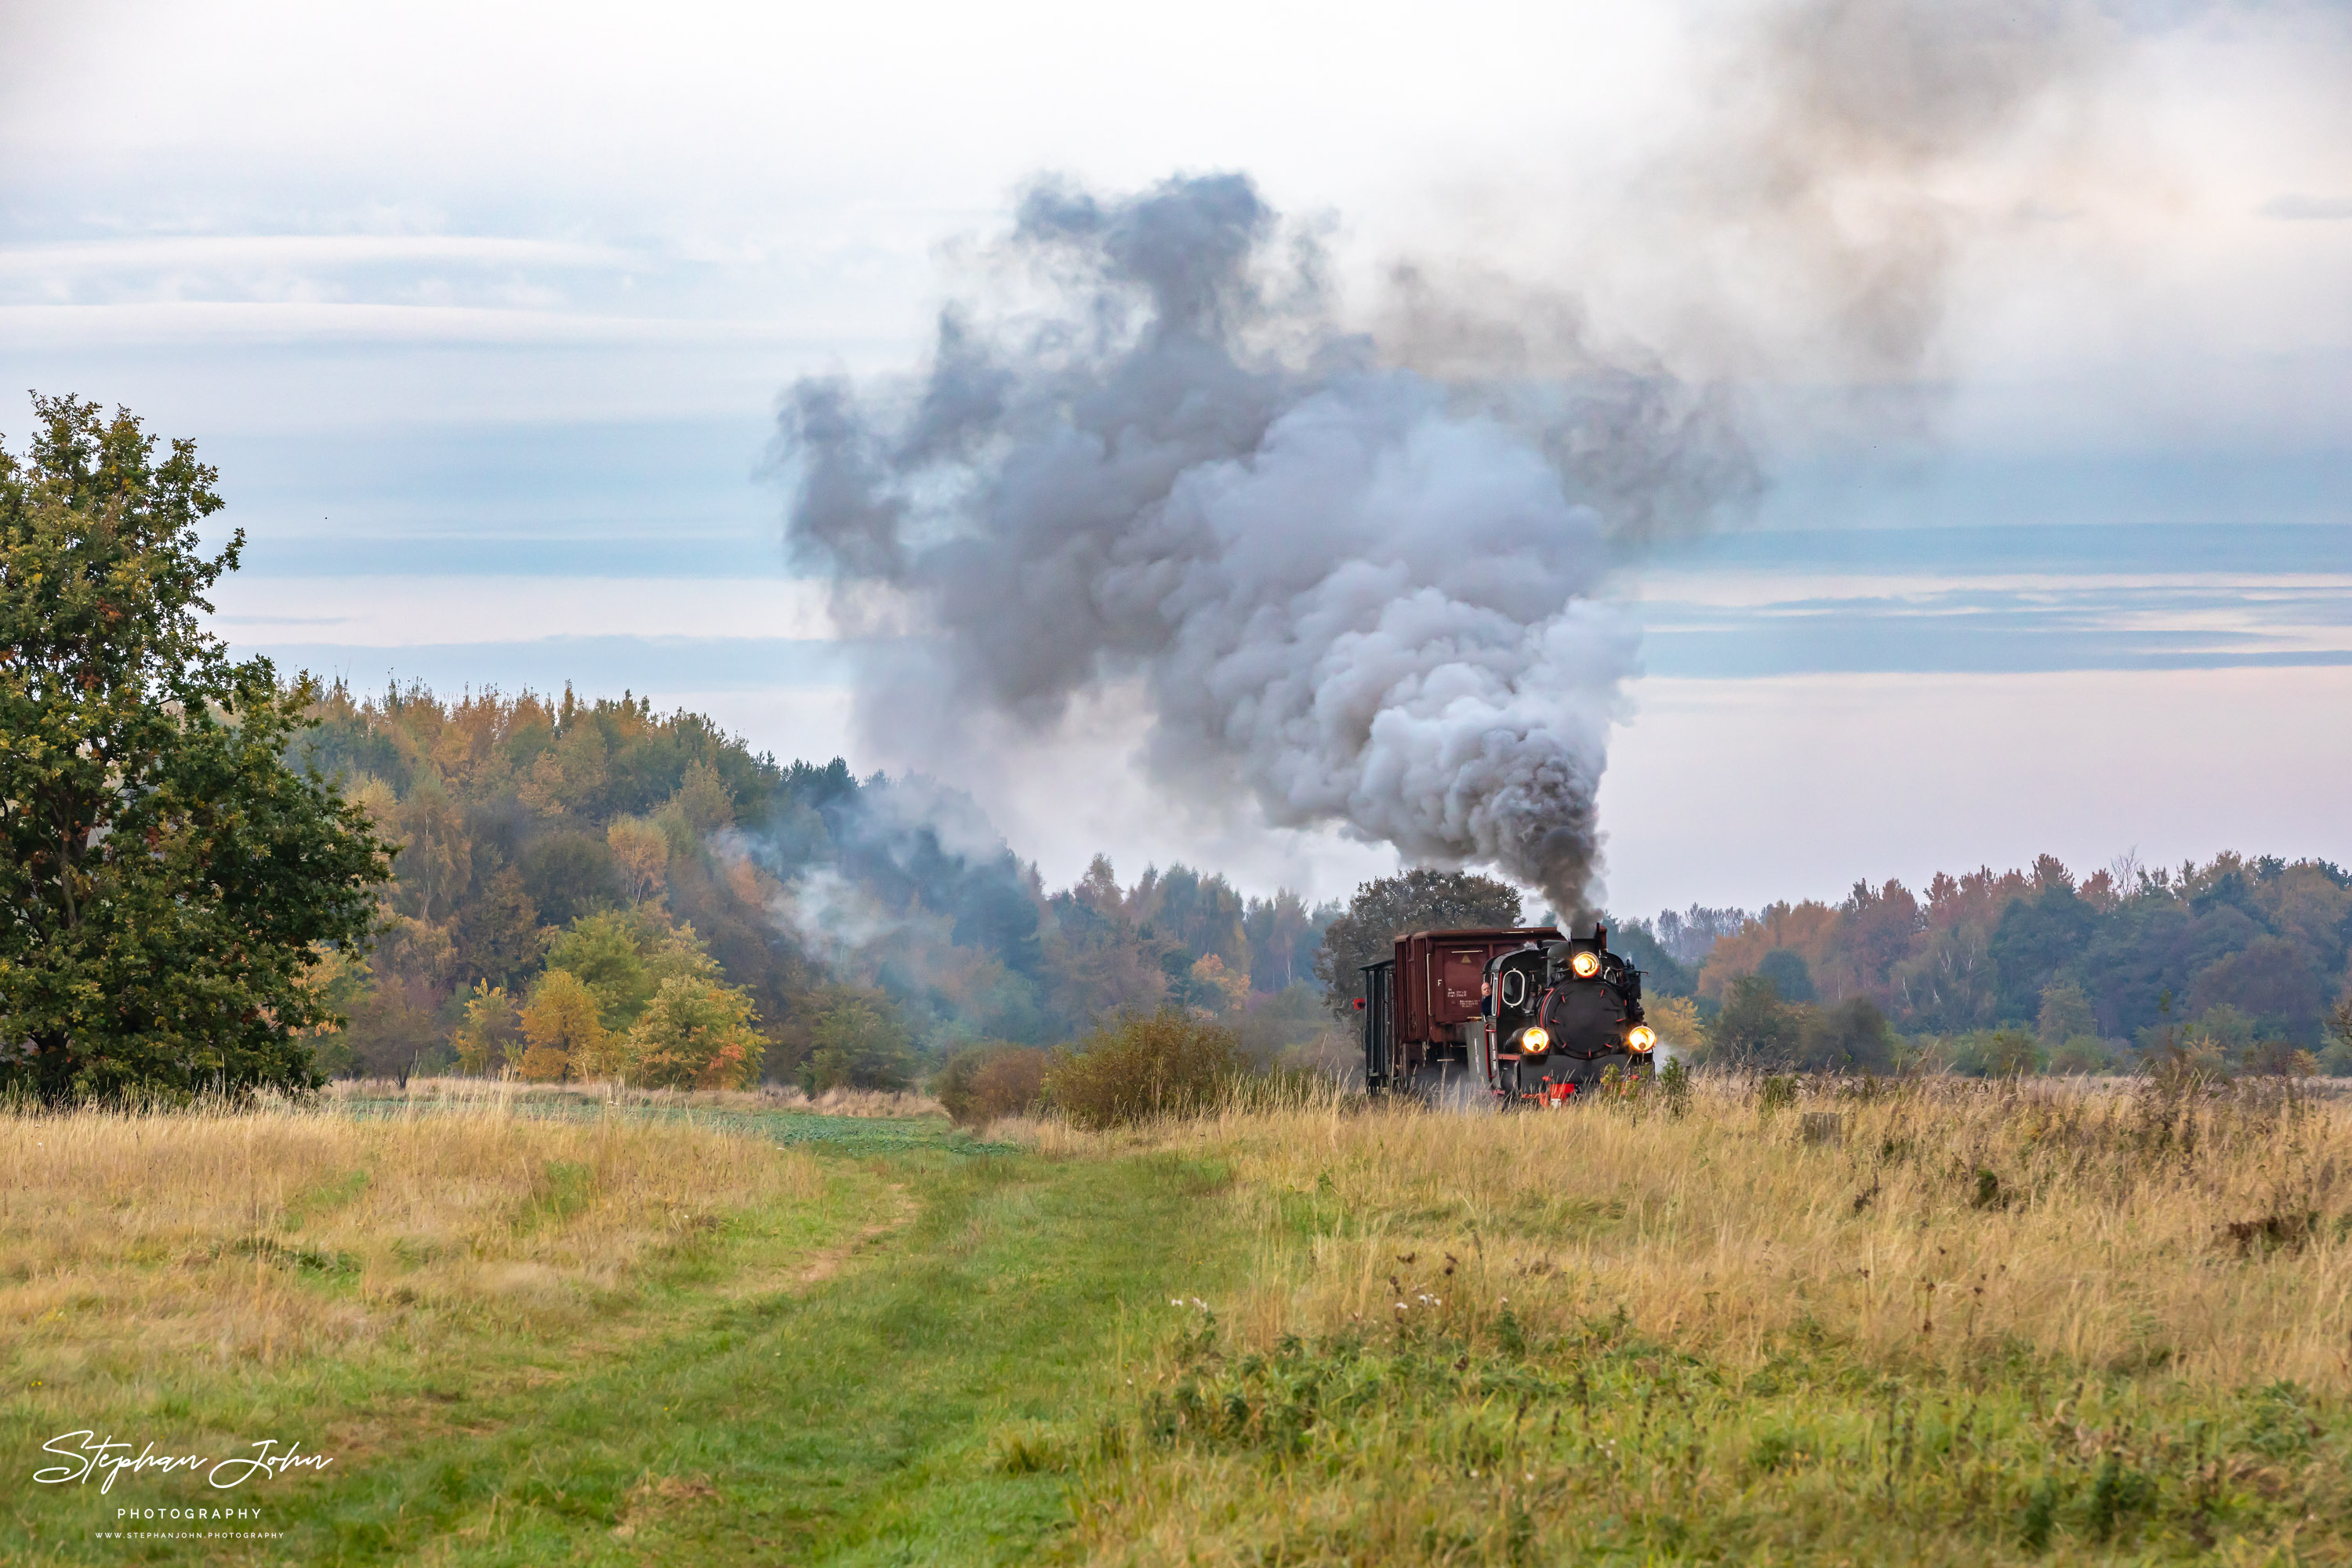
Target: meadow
x,y
1754,1320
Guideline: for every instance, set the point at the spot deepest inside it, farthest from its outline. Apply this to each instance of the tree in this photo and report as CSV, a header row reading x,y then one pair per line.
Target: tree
x,y
437,860
2271,978
1756,1028
858,1042
491,1033
1853,1037
394,1030
1098,963
704,799
696,1034
602,951
1391,907
1208,983
2036,937
1663,974
2337,1057
640,855
1680,1028
2065,1014
1790,976
561,1032
167,879
1278,929
497,933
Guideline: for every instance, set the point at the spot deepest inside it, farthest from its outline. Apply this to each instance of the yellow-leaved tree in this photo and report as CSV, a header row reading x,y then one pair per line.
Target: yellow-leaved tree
x,y
561,1029
1217,988
1680,1029
640,854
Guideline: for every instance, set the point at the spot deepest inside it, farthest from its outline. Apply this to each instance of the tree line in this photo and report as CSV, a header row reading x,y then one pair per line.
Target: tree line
x,y
564,866
2243,959
218,879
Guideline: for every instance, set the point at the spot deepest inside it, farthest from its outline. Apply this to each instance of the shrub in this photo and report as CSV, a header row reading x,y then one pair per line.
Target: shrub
x,y
1674,1083
2080,1055
1853,1037
992,1080
1997,1053
1142,1065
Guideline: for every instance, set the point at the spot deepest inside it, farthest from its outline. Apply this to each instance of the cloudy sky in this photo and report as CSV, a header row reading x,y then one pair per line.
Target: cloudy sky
x,y
483,312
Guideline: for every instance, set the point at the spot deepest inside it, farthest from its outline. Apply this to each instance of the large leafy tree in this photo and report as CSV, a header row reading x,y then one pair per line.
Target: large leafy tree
x,y
167,883
1389,907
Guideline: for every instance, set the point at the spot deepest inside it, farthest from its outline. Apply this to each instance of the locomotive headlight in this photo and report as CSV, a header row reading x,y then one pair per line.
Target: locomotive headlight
x,y
1641,1037
1535,1042
1586,964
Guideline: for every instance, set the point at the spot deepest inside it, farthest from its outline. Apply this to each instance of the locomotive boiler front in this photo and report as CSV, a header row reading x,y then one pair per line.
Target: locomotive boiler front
x,y
1562,1015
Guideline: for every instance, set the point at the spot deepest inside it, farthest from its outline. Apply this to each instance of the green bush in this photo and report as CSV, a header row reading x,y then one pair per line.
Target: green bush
x,y
1142,1065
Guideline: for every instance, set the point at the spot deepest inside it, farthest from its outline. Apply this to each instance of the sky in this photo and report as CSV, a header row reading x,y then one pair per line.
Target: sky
x,y
484,313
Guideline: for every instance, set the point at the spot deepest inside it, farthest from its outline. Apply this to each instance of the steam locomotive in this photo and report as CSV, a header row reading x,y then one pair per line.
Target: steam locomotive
x,y
1527,1015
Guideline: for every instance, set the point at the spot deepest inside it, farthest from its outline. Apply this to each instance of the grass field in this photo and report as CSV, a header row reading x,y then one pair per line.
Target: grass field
x,y
1959,1323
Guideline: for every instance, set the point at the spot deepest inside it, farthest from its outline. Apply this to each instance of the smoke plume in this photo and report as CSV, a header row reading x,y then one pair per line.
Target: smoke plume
x,y
1359,594
1357,585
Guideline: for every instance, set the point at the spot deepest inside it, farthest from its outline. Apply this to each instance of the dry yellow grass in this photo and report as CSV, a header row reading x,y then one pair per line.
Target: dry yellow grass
x,y
133,1242
2116,1228
1979,1323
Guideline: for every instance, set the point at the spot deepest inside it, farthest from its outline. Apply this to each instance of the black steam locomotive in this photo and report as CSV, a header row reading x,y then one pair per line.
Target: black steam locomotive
x,y
1525,1015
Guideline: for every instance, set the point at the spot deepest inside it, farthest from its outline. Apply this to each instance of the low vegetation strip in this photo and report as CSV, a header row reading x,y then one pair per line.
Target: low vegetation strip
x,y
912,1124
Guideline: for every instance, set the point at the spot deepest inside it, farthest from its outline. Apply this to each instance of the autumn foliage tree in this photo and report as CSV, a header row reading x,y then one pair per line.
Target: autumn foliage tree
x,y
695,1033
167,881
1390,906
561,1032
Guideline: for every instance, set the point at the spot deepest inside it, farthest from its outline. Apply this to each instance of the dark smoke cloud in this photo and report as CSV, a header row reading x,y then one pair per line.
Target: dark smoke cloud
x,y
1353,577
1355,593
